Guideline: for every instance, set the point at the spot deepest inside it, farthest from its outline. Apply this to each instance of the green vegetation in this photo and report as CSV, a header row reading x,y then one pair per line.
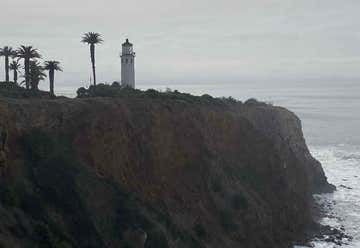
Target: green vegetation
x,y
216,185
253,101
8,195
227,221
36,74
116,90
92,39
249,176
28,54
15,91
33,69
52,66
239,202
156,239
7,52
15,67
200,231
57,184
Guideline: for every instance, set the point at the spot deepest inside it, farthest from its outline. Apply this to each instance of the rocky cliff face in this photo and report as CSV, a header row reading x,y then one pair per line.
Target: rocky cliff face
x,y
284,127
106,172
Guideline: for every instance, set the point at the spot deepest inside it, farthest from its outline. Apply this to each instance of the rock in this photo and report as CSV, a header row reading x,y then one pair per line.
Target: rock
x,y
284,129
345,187
108,164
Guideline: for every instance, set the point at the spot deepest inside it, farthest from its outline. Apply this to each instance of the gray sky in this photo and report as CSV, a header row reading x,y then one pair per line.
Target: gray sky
x,y
187,41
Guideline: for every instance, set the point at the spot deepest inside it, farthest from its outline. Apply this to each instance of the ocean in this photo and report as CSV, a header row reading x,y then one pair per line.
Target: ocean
x,y
330,115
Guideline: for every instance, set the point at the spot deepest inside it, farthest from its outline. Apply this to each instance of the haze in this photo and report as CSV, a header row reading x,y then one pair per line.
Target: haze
x,y
185,41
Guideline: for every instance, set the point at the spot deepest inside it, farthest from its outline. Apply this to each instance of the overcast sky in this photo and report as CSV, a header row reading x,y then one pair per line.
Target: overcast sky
x,y
187,41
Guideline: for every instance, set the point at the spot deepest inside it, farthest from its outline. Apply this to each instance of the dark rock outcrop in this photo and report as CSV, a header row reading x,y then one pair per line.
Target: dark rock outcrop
x,y
90,172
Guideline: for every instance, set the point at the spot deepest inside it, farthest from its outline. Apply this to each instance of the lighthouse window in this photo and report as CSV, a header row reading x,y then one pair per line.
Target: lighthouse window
x,y
127,61
131,60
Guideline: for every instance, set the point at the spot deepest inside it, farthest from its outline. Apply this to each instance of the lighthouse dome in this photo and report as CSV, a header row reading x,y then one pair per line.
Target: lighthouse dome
x,y
127,43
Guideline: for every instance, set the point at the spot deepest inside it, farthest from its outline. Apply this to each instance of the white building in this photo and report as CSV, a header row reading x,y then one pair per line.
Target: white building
x,y
128,65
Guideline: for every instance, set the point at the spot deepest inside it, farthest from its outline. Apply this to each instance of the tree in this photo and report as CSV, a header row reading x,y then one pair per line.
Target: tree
x,y
15,66
7,52
92,39
52,66
27,53
36,74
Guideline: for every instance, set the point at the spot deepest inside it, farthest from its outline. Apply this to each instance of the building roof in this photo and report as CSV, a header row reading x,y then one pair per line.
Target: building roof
x,y
127,43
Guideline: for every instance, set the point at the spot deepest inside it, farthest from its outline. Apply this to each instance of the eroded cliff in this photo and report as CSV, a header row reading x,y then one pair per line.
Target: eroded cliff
x,y
131,172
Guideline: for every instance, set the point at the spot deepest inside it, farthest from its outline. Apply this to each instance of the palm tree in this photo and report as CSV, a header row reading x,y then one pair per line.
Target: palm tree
x,y
52,66
27,53
15,66
7,52
36,74
92,39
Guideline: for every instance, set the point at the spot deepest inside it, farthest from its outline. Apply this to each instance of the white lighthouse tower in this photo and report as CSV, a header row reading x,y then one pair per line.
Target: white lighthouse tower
x,y
128,65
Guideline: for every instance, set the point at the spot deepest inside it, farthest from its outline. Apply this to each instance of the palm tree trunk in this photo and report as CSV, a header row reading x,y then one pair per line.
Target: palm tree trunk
x,y
27,68
6,68
15,76
35,85
51,79
92,53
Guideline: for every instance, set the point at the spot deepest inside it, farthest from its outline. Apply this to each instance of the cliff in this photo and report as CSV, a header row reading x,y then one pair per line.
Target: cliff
x,y
141,172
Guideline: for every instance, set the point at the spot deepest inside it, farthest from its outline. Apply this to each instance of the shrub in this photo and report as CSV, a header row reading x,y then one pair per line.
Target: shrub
x,y
54,168
38,145
253,101
117,90
227,222
200,231
216,185
81,92
116,84
247,175
229,100
156,239
239,202
152,93
62,244
9,196
33,205
44,237
13,90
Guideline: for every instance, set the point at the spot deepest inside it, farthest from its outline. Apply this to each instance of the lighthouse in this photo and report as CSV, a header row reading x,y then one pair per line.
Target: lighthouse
x,y
128,65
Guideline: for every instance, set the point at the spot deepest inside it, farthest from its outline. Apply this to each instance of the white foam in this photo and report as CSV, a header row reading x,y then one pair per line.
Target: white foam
x,y
342,167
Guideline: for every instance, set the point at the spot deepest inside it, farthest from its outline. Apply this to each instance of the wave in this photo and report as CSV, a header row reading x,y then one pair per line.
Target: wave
x,y
342,167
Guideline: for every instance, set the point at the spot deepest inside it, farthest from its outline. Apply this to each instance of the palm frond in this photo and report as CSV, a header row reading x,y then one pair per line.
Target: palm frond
x,y
92,38
27,52
15,65
52,65
7,51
